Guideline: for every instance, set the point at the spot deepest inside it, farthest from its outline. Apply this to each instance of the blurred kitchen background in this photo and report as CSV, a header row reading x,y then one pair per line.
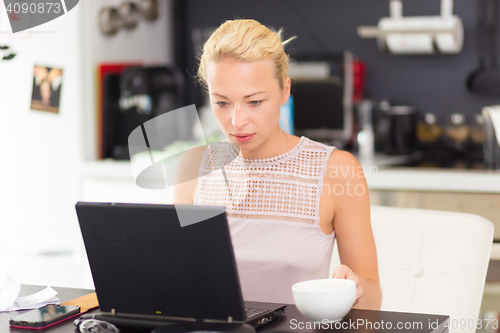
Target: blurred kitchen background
x,y
410,109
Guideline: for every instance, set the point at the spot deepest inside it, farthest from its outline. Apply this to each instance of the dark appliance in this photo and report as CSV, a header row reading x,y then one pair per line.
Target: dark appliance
x,y
318,108
133,97
323,108
397,130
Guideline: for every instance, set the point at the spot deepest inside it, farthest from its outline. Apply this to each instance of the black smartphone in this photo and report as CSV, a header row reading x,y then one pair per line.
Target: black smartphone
x,y
44,317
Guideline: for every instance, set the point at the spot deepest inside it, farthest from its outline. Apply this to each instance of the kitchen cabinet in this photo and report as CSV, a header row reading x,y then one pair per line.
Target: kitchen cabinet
x,y
467,191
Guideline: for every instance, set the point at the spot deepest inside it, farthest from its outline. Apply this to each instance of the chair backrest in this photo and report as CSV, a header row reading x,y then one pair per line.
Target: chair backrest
x,y
431,262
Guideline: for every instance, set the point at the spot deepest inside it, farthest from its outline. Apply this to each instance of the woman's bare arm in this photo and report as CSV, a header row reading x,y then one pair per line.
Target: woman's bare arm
x,y
351,201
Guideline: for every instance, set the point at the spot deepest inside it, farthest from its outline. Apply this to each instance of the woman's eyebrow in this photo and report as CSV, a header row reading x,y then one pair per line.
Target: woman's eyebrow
x,y
219,95
256,93
247,96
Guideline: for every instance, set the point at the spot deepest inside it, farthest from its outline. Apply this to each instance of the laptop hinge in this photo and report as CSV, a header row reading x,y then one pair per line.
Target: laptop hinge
x,y
147,317
229,320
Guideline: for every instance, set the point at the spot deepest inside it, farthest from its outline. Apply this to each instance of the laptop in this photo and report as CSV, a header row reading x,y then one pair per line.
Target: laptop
x,y
148,269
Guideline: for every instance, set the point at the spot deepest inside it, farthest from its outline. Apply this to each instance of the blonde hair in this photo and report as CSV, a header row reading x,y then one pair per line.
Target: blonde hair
x,y
248,41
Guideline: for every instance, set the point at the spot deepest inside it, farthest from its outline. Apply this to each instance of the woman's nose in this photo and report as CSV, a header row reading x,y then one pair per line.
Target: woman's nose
x,y
239,117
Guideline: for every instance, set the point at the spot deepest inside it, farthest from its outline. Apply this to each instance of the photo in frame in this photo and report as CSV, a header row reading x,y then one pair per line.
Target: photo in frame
x,y
47,84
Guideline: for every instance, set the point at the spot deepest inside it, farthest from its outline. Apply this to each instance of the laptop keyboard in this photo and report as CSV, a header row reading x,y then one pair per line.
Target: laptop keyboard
x,y
252,313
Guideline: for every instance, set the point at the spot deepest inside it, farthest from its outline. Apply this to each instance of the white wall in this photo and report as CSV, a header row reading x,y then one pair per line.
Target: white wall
x,y
42,154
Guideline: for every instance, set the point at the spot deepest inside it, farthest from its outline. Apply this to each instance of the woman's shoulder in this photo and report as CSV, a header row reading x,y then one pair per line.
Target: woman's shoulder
x,y
342,157
215,154
344,182
307,142
344,165
186,175
188,164
192,156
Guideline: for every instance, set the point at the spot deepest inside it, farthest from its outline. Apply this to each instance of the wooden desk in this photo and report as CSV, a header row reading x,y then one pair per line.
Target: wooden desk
x,y
365,321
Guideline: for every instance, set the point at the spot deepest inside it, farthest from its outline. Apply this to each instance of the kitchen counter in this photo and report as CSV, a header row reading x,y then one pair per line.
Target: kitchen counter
x,y
109,169
433,179
113,181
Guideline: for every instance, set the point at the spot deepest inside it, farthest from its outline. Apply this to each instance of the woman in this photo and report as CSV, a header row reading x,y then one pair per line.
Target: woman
x,y
287,198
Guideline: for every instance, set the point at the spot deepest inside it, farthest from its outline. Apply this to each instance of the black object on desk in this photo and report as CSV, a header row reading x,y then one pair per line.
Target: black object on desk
x,y
362,321
147,265
281,324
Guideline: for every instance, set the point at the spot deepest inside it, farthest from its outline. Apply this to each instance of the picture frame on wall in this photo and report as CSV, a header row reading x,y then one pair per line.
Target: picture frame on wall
x,y
46,93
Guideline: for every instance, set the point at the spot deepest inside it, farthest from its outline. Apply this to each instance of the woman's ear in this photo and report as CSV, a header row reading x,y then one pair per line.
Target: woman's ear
x,y
285,90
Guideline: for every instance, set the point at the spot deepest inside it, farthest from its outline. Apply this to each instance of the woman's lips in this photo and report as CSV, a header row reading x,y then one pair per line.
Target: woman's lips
x,y
243,137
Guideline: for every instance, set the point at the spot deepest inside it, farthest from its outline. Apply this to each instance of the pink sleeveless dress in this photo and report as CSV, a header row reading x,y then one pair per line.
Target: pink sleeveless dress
x,y
272,206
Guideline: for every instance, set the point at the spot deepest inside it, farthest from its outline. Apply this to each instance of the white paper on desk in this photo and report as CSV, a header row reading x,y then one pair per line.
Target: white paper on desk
x,y
16,307
9,300
36,300
38,297
30,306
9,290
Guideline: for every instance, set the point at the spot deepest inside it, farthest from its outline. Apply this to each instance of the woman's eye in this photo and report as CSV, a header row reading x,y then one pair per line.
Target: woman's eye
x,y
255,103
221,104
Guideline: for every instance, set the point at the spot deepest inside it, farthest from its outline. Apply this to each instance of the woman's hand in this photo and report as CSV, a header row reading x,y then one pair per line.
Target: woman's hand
x,y
344,272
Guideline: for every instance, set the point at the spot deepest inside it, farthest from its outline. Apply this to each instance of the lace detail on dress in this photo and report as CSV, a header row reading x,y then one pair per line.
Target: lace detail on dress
x,y
269,217
270,159
286,187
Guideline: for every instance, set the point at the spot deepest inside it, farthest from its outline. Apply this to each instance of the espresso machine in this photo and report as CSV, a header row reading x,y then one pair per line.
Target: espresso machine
x,y
135,96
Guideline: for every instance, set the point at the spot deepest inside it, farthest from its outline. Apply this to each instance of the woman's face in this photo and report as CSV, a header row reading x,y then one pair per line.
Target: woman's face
x,y
246,100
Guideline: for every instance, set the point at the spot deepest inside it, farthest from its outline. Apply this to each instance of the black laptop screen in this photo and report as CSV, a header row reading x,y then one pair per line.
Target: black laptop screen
x,y
143,262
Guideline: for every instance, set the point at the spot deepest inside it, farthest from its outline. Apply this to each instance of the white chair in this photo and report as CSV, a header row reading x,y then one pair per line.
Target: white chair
x,y
431,262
